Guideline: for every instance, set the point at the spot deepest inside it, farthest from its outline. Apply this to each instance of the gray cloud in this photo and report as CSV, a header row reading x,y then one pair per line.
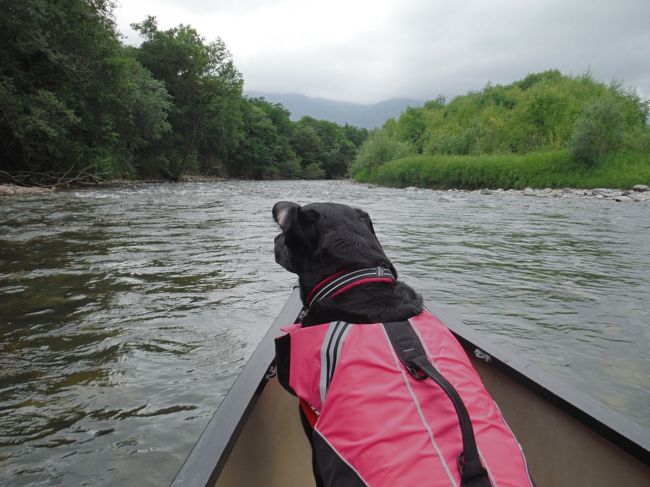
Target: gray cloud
x,y
420,49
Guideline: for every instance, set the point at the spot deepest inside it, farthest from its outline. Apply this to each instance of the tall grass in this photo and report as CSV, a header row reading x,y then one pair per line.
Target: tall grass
x,y
551,169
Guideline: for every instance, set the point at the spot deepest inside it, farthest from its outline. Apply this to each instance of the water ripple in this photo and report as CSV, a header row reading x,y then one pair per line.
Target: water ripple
x,y
128,312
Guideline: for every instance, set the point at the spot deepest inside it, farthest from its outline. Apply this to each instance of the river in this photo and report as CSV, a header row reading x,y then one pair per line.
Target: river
x,y
127,312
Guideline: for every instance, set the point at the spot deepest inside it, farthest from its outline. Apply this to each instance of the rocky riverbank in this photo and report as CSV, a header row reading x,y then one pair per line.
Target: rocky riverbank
x,y
639,193
11,189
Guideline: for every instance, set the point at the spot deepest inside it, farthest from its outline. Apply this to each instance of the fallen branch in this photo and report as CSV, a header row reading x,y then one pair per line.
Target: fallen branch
x,y
54,180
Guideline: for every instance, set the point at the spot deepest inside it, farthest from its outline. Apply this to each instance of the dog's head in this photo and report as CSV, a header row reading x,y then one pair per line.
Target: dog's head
x,y
320,239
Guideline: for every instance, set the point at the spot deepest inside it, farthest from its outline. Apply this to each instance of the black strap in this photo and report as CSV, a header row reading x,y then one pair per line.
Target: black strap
x,y
410,351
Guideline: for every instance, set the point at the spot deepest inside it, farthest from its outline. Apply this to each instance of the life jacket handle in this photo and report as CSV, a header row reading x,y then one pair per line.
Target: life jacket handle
x,y
409,349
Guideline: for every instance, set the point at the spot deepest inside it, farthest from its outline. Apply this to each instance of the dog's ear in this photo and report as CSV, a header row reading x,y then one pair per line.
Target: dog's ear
x,y
365,218
285,214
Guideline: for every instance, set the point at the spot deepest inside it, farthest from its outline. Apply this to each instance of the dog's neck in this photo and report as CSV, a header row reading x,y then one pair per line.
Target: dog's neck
x,y
342,281
367,295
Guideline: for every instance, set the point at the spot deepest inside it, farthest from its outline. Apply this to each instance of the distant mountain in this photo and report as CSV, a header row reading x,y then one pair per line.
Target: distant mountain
x,y
361,115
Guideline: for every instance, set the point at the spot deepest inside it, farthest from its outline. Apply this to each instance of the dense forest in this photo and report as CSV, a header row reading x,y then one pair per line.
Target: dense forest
x,y
547,129
77,104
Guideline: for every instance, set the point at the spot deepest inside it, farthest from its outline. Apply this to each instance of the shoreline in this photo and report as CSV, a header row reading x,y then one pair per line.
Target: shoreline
x,y
639,193
7,189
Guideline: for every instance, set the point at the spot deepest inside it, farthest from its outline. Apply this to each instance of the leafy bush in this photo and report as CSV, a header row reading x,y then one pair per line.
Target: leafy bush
x,y
289,168
598,132
449,141
313,171
538,113
379,148
637,140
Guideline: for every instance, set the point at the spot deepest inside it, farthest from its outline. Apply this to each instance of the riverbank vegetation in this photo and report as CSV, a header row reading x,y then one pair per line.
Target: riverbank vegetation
x,y
78,105
551,169
547,130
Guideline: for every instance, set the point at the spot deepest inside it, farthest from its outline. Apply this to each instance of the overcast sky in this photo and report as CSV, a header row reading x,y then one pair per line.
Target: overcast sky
x,y
372,50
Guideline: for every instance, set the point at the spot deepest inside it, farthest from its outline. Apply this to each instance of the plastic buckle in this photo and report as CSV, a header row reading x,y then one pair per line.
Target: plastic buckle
x,y
460,462
417,373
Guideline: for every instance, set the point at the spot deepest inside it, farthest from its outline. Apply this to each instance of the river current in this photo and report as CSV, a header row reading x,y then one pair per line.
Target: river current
x,y
127,312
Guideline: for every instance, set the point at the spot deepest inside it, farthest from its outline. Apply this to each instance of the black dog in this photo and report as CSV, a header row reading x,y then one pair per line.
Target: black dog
x,y
345,277
320,240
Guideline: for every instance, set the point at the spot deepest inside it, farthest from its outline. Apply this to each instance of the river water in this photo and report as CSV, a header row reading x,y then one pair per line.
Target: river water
x,y
127,312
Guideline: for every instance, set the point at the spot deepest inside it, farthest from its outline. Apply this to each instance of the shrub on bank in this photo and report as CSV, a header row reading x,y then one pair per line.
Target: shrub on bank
x,y
552,169
547,130
379,148
599,131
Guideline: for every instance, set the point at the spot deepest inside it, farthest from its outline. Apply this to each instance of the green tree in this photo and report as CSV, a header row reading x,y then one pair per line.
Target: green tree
x,y
70,99
263,149
313,171
411,125
206,91
326,145
599,132
307,143
356,135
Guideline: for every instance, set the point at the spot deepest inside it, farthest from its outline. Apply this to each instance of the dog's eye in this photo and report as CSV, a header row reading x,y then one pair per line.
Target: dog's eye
x,y
302,240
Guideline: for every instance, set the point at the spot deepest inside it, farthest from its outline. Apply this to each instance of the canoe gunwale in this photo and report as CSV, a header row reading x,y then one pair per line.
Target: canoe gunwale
x,y
606,422
209,455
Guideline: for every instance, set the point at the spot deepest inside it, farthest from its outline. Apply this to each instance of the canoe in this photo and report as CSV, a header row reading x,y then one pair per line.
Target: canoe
x,y
255,437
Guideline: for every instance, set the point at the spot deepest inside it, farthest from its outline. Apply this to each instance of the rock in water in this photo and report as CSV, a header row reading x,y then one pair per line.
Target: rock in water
x,y
641,188
601,191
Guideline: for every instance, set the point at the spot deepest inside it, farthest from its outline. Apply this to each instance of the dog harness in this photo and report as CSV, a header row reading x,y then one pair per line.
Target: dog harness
x,y
342,281
397,404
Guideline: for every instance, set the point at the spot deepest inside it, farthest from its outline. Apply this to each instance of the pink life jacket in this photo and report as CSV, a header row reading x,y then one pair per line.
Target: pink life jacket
x,y
380,424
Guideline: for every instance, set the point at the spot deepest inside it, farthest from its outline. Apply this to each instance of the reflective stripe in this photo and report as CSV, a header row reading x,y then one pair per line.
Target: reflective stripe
x,y
487,468
324,360
330,354
521,450
336,351
347,278
344,279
